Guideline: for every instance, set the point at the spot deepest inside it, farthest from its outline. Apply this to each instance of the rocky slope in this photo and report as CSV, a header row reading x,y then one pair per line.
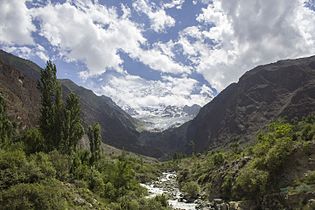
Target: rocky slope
x,y
282,89
18,84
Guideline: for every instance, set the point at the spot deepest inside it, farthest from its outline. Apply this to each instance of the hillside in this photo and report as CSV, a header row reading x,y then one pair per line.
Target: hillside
x,y
18,84
282,89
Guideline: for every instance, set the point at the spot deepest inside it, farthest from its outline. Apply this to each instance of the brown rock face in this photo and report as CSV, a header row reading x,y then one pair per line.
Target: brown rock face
x,y
20,92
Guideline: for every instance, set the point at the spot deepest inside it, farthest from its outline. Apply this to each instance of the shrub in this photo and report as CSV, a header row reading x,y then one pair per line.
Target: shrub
x,y
42,161
15,168
191,190
310,178
33,141
32,196
218,159
250,183
61,163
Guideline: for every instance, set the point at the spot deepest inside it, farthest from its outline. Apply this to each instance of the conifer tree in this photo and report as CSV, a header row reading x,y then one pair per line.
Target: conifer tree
x,y
52,107
72,126
94,134
6,127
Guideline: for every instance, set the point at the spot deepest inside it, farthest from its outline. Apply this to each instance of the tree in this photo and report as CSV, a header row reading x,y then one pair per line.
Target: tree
x,y
191,190
94,134
33,141
72,126
51,107
6,127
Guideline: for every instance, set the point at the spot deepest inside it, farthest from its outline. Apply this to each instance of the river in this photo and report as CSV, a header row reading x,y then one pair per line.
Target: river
x,y
167,184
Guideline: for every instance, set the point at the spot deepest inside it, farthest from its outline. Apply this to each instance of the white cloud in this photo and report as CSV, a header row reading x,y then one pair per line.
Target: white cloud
x,y
94,34
174,3
138,93
16,25
246,34
158,17
28,52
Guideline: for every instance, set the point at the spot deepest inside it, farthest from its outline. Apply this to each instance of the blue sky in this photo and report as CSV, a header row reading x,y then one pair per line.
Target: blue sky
x,y
157,53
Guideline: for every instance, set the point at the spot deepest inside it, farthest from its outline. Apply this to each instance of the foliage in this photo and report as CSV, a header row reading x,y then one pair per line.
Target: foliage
x,y
51,107
94,134
72,125
255,170
6,127
251,182
45,170
191,189
33,141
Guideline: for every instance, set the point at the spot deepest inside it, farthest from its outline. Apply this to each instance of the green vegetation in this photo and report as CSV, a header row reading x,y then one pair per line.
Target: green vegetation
x,y
43,168
94,134
278,162
191,190
6,127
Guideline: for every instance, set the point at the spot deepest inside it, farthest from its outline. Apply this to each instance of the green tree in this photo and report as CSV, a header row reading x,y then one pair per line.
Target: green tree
x,y
191,190
72,125
51,107
94,134
33,141
6,127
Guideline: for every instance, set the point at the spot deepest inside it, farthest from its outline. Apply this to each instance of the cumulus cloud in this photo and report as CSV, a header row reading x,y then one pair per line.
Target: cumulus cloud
x,y
245,34
143,93
158,18
28,52
16,25
174,3
94,34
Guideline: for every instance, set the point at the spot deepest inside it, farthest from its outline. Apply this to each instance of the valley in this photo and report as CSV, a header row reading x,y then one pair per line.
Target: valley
x,y
251,147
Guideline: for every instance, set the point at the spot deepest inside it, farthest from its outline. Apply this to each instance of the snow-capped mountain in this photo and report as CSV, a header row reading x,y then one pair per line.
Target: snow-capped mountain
x,y
162,117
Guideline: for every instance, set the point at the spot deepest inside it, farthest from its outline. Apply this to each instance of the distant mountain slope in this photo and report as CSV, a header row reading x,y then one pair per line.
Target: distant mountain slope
x,y
161,117
18,83
282,89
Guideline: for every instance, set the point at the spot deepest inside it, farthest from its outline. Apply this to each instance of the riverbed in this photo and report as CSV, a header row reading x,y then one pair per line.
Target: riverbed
x,y
167,184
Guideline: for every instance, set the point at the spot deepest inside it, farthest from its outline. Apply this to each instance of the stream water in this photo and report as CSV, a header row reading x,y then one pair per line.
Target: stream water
x,y
167,184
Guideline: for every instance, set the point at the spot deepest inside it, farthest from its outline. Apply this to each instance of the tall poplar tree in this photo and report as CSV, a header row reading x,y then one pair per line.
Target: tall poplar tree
x,y
94,134
52,107
72,125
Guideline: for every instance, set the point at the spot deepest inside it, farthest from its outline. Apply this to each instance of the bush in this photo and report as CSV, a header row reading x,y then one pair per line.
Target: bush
x,y
157,203
32,196
33,141
191,190
42,161
61,163
218,159
96,183
15,168
310,178
250,183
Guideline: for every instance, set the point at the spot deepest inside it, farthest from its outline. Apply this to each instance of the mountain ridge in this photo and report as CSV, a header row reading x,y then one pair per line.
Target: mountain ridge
x,y
284,89
19,78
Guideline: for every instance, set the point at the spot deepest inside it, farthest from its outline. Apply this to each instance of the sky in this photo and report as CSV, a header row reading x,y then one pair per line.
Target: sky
x,y
145,53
